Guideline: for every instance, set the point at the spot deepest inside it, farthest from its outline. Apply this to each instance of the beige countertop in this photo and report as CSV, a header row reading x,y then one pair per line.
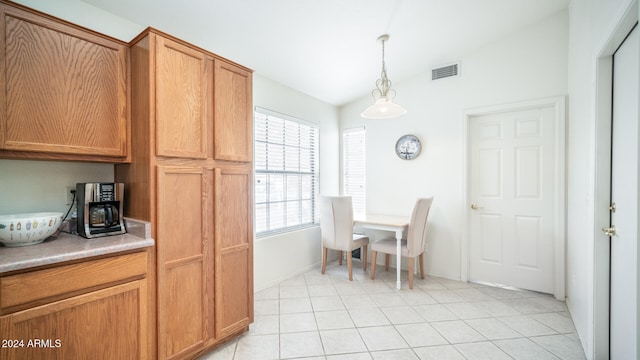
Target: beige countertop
x,y
67,247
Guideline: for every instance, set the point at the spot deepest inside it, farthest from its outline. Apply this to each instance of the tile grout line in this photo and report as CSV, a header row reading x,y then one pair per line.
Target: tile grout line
x,y
537,308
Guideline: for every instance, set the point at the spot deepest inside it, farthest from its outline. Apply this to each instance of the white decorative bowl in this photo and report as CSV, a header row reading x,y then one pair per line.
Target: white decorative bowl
x,y
28,229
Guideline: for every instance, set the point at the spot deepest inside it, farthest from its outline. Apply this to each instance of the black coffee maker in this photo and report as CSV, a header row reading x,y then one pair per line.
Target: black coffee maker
x,y
100,209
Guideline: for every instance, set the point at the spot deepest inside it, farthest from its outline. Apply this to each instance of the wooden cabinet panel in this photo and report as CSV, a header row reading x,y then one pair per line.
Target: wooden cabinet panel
x,y
184,259
233,291
232,216
233,113
184,328
19,289
233,237
107,322
180,212
64,89
182,77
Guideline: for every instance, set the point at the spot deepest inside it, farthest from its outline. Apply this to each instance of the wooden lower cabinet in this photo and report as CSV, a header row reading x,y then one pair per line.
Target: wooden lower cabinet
x,y
108,323
205,269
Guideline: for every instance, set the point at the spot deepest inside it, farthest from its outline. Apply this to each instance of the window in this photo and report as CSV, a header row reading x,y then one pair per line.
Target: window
x,y
353,168
285,172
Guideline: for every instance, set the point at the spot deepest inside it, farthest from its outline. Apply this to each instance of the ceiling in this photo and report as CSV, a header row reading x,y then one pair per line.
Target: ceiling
x,y
328,48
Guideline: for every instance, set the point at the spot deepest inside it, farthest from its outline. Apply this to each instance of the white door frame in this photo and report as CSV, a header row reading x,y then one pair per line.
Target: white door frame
x,y
602,181
558,103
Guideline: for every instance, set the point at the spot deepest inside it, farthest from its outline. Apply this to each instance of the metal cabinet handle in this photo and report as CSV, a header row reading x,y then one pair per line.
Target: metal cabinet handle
x,y
610,231
475,207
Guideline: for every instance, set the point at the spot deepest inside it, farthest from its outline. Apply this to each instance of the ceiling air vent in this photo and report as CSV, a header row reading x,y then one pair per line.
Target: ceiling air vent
x,y
445,71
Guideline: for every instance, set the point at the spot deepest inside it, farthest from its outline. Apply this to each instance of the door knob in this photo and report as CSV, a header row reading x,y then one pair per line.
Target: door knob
x,y
475,207
610,231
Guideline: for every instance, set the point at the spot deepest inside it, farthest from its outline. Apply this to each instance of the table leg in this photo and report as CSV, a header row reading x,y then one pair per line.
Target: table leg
x,y
398,257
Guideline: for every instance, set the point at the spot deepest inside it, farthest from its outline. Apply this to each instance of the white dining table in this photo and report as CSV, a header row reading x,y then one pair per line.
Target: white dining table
x,y
396,224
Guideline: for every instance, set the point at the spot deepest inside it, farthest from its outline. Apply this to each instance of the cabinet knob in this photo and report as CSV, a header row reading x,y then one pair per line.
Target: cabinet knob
x,y
610,231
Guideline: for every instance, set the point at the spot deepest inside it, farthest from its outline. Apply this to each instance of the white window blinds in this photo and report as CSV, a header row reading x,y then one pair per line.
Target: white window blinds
x,y
285,172
354,169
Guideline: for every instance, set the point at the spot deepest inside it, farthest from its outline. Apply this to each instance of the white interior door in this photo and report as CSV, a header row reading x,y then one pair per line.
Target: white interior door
x,y
624,194
512,189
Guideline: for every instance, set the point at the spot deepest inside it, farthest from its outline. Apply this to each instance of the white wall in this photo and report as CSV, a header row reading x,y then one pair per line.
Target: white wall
x,y
281,256
528,64
34,186
592,23
89,16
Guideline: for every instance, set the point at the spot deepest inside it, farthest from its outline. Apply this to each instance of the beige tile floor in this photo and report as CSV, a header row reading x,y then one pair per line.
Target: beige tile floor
x,y
314,316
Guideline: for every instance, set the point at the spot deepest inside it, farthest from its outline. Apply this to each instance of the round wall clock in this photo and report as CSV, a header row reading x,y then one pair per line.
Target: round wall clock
x,y
408,147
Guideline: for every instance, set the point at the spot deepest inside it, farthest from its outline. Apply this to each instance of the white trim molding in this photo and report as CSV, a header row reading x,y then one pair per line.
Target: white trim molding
x,y
602,177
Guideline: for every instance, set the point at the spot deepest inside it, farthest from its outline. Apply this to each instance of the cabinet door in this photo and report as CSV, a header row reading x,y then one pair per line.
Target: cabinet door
x,y
109,323
233,116
184,251
233,249
64,89
182,77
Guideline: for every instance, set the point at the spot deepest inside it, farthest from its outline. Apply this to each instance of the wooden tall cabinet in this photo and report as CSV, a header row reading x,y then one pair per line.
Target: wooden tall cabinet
x,y
191,177
64,90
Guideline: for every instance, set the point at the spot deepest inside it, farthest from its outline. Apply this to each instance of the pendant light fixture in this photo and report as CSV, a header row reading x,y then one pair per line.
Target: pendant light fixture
x,y
383,106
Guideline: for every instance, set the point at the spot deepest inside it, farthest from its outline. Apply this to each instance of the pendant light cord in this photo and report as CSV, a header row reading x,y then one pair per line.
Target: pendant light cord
x,y
383,84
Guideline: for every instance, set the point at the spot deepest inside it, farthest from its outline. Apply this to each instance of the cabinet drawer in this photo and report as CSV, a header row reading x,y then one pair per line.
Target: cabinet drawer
x,y
37,286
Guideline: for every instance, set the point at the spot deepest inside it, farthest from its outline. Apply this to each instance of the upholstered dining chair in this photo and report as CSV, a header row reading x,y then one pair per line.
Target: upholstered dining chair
x,y
336,226
414,245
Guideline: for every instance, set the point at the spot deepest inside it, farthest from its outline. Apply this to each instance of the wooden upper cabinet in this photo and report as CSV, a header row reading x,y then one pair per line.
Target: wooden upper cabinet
x,y
233,117
64,87
182,78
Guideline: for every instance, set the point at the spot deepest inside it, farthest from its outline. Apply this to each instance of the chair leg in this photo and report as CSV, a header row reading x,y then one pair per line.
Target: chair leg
x,y
340,258
422,266
349,265
373,264
410,269
324,259
386,262
363,257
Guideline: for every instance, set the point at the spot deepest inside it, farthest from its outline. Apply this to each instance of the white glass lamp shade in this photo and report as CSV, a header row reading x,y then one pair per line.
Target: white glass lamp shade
x,y
383,108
